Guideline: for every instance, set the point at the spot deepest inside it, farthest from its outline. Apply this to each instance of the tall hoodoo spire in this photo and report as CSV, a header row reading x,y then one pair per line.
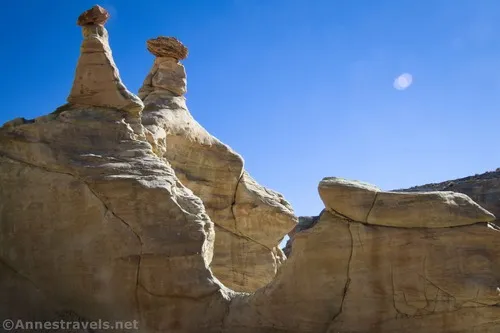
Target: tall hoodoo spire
x,y
167,74
97,80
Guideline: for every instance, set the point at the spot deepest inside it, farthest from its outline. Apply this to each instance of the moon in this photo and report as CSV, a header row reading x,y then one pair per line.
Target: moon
x,y
403,81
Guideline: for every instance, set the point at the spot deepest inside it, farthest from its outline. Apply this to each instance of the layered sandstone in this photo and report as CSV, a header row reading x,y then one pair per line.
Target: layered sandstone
x,y
97,80
249,219
95,224
482,188
356,276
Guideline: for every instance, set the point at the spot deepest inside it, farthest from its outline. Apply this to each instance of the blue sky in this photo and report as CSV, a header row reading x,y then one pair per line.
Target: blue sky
x,y
302,89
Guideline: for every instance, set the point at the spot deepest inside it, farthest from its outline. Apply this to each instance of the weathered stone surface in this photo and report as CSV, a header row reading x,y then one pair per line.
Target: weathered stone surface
x,y
95,224
353,199
167,47
95,15
305,222
97,80
482,188
346,276
366,203
250,219
420,280
426,210
101,226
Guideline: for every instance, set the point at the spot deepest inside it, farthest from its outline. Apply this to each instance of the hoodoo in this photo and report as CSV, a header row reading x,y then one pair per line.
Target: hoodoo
x,y
97,80
249,219
110,214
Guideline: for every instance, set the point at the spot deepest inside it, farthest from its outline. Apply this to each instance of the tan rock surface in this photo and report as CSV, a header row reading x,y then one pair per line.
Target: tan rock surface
x,y
366,203
97,80
426,210
350,277
421,280
353,199
95,15
94,224
250,219
167,47
102,227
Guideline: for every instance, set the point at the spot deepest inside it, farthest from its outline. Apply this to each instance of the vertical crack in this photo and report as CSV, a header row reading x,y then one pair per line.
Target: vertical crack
x,y
348,280
371,208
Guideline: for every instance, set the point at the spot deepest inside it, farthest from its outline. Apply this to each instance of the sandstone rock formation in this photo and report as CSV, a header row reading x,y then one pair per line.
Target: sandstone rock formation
x,y
350,276
249,219
483,189
368,204
97,223
97,80
305,222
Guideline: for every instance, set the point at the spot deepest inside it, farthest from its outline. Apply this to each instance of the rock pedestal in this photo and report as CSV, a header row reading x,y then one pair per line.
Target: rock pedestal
x,y
250,220
97,80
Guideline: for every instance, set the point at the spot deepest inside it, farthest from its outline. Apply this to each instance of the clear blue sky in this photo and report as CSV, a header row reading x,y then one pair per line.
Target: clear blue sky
x,y
303,89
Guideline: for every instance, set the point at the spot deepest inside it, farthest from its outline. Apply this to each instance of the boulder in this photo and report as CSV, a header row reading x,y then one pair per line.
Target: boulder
x,y
366,203
482,188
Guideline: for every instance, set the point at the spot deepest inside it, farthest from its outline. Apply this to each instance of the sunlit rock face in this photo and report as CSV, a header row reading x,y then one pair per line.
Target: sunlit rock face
x,y
482,188
412,272
106,214
97,80
95,226
250,220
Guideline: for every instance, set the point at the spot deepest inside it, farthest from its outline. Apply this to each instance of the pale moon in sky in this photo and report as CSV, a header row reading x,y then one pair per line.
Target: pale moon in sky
x,y
403,81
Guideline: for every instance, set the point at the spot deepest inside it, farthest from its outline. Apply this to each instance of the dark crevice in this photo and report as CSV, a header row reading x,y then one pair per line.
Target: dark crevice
x,y
347,283
371,208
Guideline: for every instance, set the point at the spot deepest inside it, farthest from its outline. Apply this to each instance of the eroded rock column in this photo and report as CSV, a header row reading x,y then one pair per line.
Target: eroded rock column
x,y
97,80
250,219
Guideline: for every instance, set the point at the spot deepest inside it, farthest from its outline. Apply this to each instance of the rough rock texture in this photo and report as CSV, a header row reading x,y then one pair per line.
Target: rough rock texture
x,y
250,219
167,47
483,189
95,15
350,276
366,203
97,80
96,225
305,222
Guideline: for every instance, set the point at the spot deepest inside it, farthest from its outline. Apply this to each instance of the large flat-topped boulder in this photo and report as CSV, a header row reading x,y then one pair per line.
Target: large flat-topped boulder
x,y
366,203
482,188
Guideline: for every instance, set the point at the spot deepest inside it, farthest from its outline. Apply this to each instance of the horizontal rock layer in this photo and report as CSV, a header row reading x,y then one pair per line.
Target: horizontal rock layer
x,y
365,203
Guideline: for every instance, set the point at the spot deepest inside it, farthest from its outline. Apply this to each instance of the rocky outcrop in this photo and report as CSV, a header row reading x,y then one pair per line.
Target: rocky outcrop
x,y
249,219
97,80
305,222
95,224
483,189
353,276
368,204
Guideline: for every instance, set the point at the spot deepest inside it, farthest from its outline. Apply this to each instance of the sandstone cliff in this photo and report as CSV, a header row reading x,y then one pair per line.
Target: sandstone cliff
x,y
98,221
